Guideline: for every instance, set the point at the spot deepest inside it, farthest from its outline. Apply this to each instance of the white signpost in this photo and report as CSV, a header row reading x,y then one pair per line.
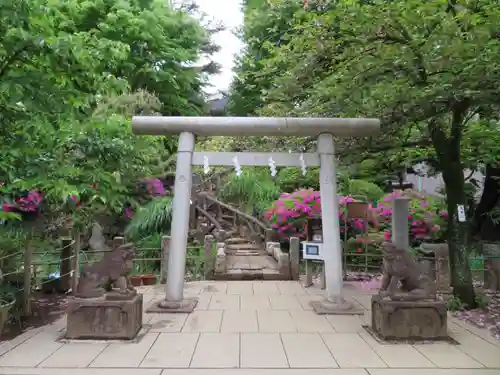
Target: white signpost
x,y
312,250
189,127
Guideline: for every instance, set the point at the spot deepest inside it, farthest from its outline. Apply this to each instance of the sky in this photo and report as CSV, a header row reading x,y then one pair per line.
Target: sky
x,y
229,13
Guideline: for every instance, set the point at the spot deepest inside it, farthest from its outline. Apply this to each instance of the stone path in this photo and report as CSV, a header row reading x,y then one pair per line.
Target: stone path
x,y
251,328
246,261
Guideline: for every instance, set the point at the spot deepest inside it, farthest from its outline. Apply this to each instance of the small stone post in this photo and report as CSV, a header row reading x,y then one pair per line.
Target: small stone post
x,y
400,232
309,273
76,260
294,258
269,235
65,266
165,241
443,272
221,236
209,256
118,241
28,253
322,277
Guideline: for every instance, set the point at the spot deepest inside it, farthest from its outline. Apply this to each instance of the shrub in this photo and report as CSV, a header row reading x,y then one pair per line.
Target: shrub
x,y
290,213
427,217
363,188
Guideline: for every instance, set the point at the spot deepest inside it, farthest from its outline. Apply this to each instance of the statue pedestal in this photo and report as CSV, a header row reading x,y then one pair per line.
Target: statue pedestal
x,y
104,319
405,320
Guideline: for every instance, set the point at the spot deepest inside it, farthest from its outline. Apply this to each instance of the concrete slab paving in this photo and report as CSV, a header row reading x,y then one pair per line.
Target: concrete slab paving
x,y
217,350
262,350
309,321
75,355
275,321
307,350
400,356
222,301
203,321
446,356
350,350
265,288
171,350
239,321
125,355
284,302
33,351
255,302
251,328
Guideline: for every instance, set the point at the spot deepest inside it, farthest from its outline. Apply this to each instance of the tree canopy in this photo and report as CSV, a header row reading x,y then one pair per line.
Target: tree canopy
x,y
72,73
427,69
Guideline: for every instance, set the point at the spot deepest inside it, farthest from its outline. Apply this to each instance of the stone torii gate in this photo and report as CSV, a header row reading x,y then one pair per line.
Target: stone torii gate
x,y
189,127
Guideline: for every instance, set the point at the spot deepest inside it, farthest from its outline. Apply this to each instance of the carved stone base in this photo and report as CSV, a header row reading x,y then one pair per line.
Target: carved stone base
x,y
104,319
184,306
343,307
401,320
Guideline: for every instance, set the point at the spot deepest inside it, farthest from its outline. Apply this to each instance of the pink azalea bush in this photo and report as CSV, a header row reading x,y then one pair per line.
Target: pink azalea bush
x,y
290,213
152,187
427,216
148,188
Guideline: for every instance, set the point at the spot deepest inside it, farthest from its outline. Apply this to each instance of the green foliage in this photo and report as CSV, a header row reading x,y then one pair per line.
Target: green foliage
x,y
290,179
454,304
254,188
482,301
423,68
361,188
154,218
72,74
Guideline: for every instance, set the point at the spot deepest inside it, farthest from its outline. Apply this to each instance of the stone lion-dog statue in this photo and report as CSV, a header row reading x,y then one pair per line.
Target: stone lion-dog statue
x,y
403,279
109,276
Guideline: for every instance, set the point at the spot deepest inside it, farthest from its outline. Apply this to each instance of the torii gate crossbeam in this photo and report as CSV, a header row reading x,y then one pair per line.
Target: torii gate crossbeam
x,y
189,127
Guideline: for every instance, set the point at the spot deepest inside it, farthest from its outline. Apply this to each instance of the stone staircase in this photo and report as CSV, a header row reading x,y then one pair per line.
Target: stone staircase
x,y
244,260
242,247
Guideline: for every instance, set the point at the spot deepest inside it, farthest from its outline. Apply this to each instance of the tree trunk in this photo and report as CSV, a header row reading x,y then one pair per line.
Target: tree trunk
x,y
448,153
458,237
483,223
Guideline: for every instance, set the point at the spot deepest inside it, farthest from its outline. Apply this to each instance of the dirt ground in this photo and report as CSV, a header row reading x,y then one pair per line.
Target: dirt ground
x,y
488,318
46,309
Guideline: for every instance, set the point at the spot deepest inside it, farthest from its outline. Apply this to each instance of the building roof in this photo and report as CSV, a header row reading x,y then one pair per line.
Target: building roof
x,y
218,105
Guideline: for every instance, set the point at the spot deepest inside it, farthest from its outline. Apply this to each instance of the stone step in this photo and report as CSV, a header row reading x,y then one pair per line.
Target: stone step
x,y
245,253
257,274
244,246
236,240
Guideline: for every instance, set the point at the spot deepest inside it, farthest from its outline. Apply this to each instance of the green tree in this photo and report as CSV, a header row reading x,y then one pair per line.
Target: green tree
x,y
164,46
66,69
424,68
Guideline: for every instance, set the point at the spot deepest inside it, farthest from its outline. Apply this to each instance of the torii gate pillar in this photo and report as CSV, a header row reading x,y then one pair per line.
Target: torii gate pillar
x,y
188,127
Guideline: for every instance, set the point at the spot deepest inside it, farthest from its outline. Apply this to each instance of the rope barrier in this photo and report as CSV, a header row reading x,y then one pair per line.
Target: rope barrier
x,y
41,260
11,255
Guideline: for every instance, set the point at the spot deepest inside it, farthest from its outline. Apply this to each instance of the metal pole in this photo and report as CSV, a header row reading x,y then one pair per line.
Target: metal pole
x,y
332,249
180,220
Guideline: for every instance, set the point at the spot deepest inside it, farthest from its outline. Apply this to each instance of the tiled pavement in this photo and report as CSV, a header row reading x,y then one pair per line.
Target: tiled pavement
x,y
251,328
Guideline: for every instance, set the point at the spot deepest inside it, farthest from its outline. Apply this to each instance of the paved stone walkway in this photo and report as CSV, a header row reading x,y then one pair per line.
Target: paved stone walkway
x,y
247,261
251,328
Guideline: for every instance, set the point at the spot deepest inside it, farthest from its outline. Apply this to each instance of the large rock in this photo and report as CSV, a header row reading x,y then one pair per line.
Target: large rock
x,y
104,319
409,320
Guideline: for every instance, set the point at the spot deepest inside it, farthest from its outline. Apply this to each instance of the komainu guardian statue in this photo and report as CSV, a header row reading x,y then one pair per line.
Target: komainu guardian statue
x,y
403,279
110,276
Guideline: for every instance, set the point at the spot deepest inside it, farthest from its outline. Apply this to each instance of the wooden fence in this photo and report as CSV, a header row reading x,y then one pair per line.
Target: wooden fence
x,y
58,270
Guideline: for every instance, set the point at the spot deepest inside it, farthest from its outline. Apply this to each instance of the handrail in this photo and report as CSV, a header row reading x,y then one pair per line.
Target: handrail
x,y
234,210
